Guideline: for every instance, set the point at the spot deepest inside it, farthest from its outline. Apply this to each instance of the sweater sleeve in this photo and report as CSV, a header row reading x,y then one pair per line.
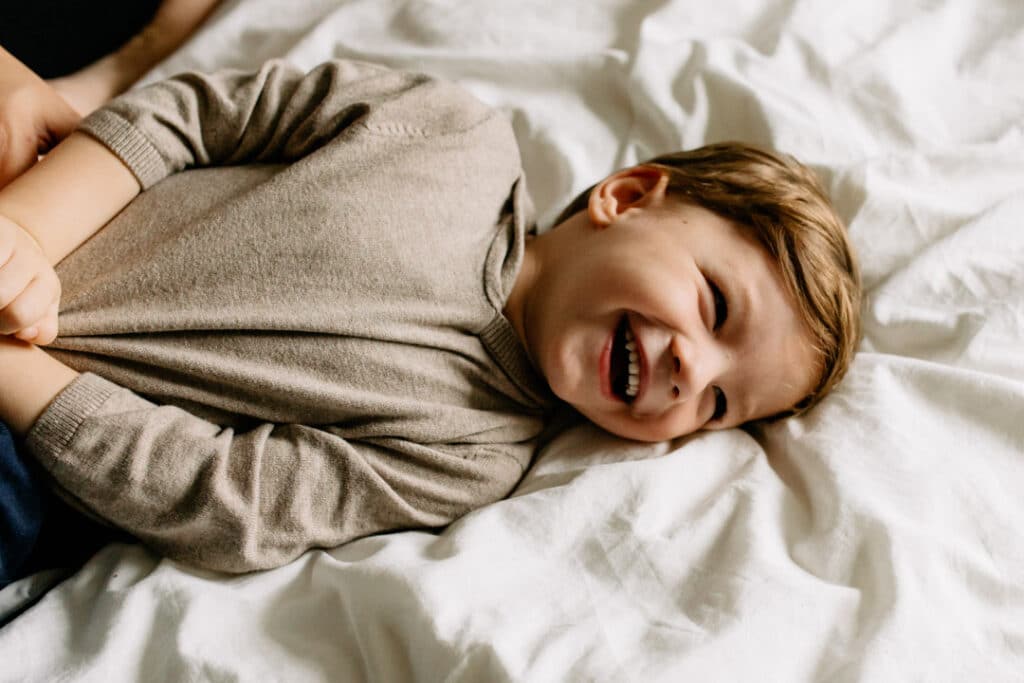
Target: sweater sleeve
x,y
255,499
276,114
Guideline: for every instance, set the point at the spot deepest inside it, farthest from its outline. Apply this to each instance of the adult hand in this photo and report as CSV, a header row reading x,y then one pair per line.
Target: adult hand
x,y
33,118
29,287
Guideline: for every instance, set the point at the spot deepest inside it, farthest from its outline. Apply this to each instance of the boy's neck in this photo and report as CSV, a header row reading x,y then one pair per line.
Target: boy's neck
x,y
518,299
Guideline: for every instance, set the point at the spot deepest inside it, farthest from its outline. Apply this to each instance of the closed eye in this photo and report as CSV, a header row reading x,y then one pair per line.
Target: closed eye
x,y
721,306
721,405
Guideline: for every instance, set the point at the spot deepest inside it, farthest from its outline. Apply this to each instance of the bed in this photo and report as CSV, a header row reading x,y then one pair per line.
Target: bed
x,y
877,538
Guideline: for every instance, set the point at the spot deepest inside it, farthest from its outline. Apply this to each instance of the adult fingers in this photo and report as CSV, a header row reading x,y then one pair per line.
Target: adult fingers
x,y
17,148
57,121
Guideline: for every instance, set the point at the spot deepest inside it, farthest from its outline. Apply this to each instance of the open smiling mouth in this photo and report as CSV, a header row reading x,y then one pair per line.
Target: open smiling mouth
x,y
624,364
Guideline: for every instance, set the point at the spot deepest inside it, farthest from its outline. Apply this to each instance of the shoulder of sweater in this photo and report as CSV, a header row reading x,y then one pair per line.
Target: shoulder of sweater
x,y
433,106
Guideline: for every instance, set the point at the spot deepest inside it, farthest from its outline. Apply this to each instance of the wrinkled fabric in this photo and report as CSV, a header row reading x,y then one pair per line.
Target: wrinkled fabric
x,y
877,538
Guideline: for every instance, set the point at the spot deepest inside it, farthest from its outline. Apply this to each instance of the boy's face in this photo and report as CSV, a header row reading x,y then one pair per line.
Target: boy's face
x,y
656,318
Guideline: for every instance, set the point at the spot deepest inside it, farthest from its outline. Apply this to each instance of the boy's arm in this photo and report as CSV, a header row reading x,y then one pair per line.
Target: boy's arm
x,y
31,379
44,215
73,192
242,500
274,115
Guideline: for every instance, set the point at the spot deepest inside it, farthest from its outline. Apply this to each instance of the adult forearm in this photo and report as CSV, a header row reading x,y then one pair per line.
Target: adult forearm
x,y
29,381
69,195
12,71
174,21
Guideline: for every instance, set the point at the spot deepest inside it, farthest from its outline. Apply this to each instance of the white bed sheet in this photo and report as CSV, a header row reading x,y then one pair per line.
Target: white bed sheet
x,y
875,539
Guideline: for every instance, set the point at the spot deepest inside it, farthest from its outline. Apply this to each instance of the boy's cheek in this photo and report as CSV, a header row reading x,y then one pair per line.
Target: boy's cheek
x,y
569,376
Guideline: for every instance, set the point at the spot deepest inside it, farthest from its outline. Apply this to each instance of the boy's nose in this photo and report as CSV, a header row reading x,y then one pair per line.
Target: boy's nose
x,y
696,364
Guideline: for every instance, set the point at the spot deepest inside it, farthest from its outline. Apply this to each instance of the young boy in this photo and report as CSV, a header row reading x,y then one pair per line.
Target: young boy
x,y
338,323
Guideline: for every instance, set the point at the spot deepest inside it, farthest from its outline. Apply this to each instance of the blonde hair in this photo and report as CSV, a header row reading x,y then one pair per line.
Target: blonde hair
x,y
783,205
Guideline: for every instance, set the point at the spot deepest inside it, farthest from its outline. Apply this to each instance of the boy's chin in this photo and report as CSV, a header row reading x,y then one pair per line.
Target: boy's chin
x,y
628,427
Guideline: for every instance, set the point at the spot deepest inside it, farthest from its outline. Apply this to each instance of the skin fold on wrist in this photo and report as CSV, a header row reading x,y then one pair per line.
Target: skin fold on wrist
x,y
31,379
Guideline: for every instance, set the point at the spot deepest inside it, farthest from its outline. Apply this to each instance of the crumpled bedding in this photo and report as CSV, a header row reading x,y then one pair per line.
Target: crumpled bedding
x,y
876,538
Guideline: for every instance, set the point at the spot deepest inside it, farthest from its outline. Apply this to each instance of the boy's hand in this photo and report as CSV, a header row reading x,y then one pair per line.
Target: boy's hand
x,y
29,287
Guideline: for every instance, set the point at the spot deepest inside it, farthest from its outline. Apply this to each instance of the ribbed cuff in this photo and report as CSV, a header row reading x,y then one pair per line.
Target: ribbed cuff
x,y
129,144
56,427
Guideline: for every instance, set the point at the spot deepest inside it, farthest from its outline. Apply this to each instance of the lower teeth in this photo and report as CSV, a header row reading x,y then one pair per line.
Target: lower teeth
x,y
628,383
634,379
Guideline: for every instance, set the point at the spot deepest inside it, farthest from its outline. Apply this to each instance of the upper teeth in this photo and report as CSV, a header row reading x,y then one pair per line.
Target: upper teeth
x,y
634,365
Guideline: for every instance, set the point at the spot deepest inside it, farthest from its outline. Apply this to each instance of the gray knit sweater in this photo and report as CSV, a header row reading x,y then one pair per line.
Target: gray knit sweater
x,y
294,337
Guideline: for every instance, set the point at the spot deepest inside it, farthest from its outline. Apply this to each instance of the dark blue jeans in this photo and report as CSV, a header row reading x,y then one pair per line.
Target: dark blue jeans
x,y
21,509
38,530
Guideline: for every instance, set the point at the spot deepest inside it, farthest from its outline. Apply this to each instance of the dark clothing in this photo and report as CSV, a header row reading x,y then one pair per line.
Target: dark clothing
x,y
57,37
21,509
37,529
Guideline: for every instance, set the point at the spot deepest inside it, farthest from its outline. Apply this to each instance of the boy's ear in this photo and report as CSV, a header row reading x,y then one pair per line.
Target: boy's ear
x,y
635,187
